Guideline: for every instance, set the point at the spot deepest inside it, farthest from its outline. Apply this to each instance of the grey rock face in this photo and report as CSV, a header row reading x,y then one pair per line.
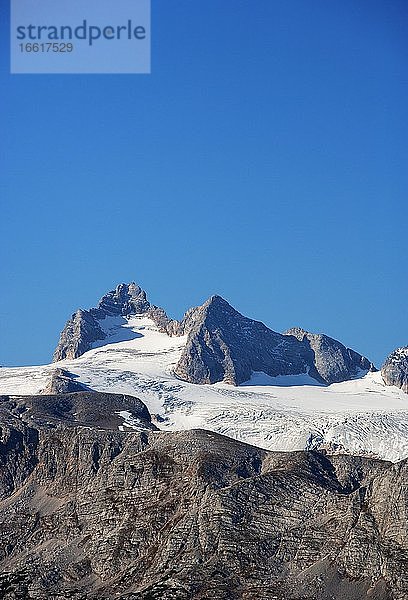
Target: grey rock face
x,y
126,299
225,346
78,336
192,515
332,361
395,369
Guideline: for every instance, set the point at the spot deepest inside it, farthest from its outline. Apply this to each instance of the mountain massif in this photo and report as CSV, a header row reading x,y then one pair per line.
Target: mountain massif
x,y
222,345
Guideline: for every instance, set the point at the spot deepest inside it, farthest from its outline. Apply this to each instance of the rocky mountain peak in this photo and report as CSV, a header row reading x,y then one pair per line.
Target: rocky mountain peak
x,y
217,305
126,299
216,300
395,369
223,345
333,362
298,332
84,328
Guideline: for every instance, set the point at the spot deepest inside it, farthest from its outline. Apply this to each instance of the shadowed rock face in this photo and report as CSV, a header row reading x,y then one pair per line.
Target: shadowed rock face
x,y
91,513
222,344
395,369
332,362
225,346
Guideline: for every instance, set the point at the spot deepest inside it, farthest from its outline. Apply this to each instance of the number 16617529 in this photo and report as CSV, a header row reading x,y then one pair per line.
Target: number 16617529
x,y
46,47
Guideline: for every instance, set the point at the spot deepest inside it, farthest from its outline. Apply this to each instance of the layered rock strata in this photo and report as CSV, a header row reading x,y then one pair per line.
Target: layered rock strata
x,y
98,513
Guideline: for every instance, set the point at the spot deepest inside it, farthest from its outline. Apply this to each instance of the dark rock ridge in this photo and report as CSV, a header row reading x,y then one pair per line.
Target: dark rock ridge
x,y
222,344
395,369
333,362
77,409
98,513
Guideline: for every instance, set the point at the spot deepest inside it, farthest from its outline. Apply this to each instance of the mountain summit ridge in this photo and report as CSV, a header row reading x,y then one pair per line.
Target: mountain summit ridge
x,y
222,345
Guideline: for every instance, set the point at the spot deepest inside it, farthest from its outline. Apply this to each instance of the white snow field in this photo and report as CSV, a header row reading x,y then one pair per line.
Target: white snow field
x,y
362,416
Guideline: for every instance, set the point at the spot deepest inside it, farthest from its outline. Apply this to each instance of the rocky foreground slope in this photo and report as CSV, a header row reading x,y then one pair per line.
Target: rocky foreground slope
x,y
222,345
101,513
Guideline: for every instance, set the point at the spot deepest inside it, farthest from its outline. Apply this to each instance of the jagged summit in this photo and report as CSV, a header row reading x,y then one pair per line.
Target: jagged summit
x,y
217,300
298,332
221,345
126,299
84,328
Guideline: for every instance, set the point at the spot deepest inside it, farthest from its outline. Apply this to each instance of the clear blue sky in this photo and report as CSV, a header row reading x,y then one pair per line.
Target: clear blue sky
x,y
264,159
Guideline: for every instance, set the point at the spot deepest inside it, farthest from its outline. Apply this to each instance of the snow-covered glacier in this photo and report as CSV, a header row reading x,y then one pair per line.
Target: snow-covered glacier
x,y
361,416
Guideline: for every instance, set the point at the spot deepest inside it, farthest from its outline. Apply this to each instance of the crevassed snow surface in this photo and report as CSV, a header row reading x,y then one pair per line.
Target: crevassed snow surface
x,y
362,416
129,421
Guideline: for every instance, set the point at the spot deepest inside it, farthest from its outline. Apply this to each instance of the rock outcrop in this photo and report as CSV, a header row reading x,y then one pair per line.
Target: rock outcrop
x,y
332,361
62,382
126,299
78,409
98,513
395,369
